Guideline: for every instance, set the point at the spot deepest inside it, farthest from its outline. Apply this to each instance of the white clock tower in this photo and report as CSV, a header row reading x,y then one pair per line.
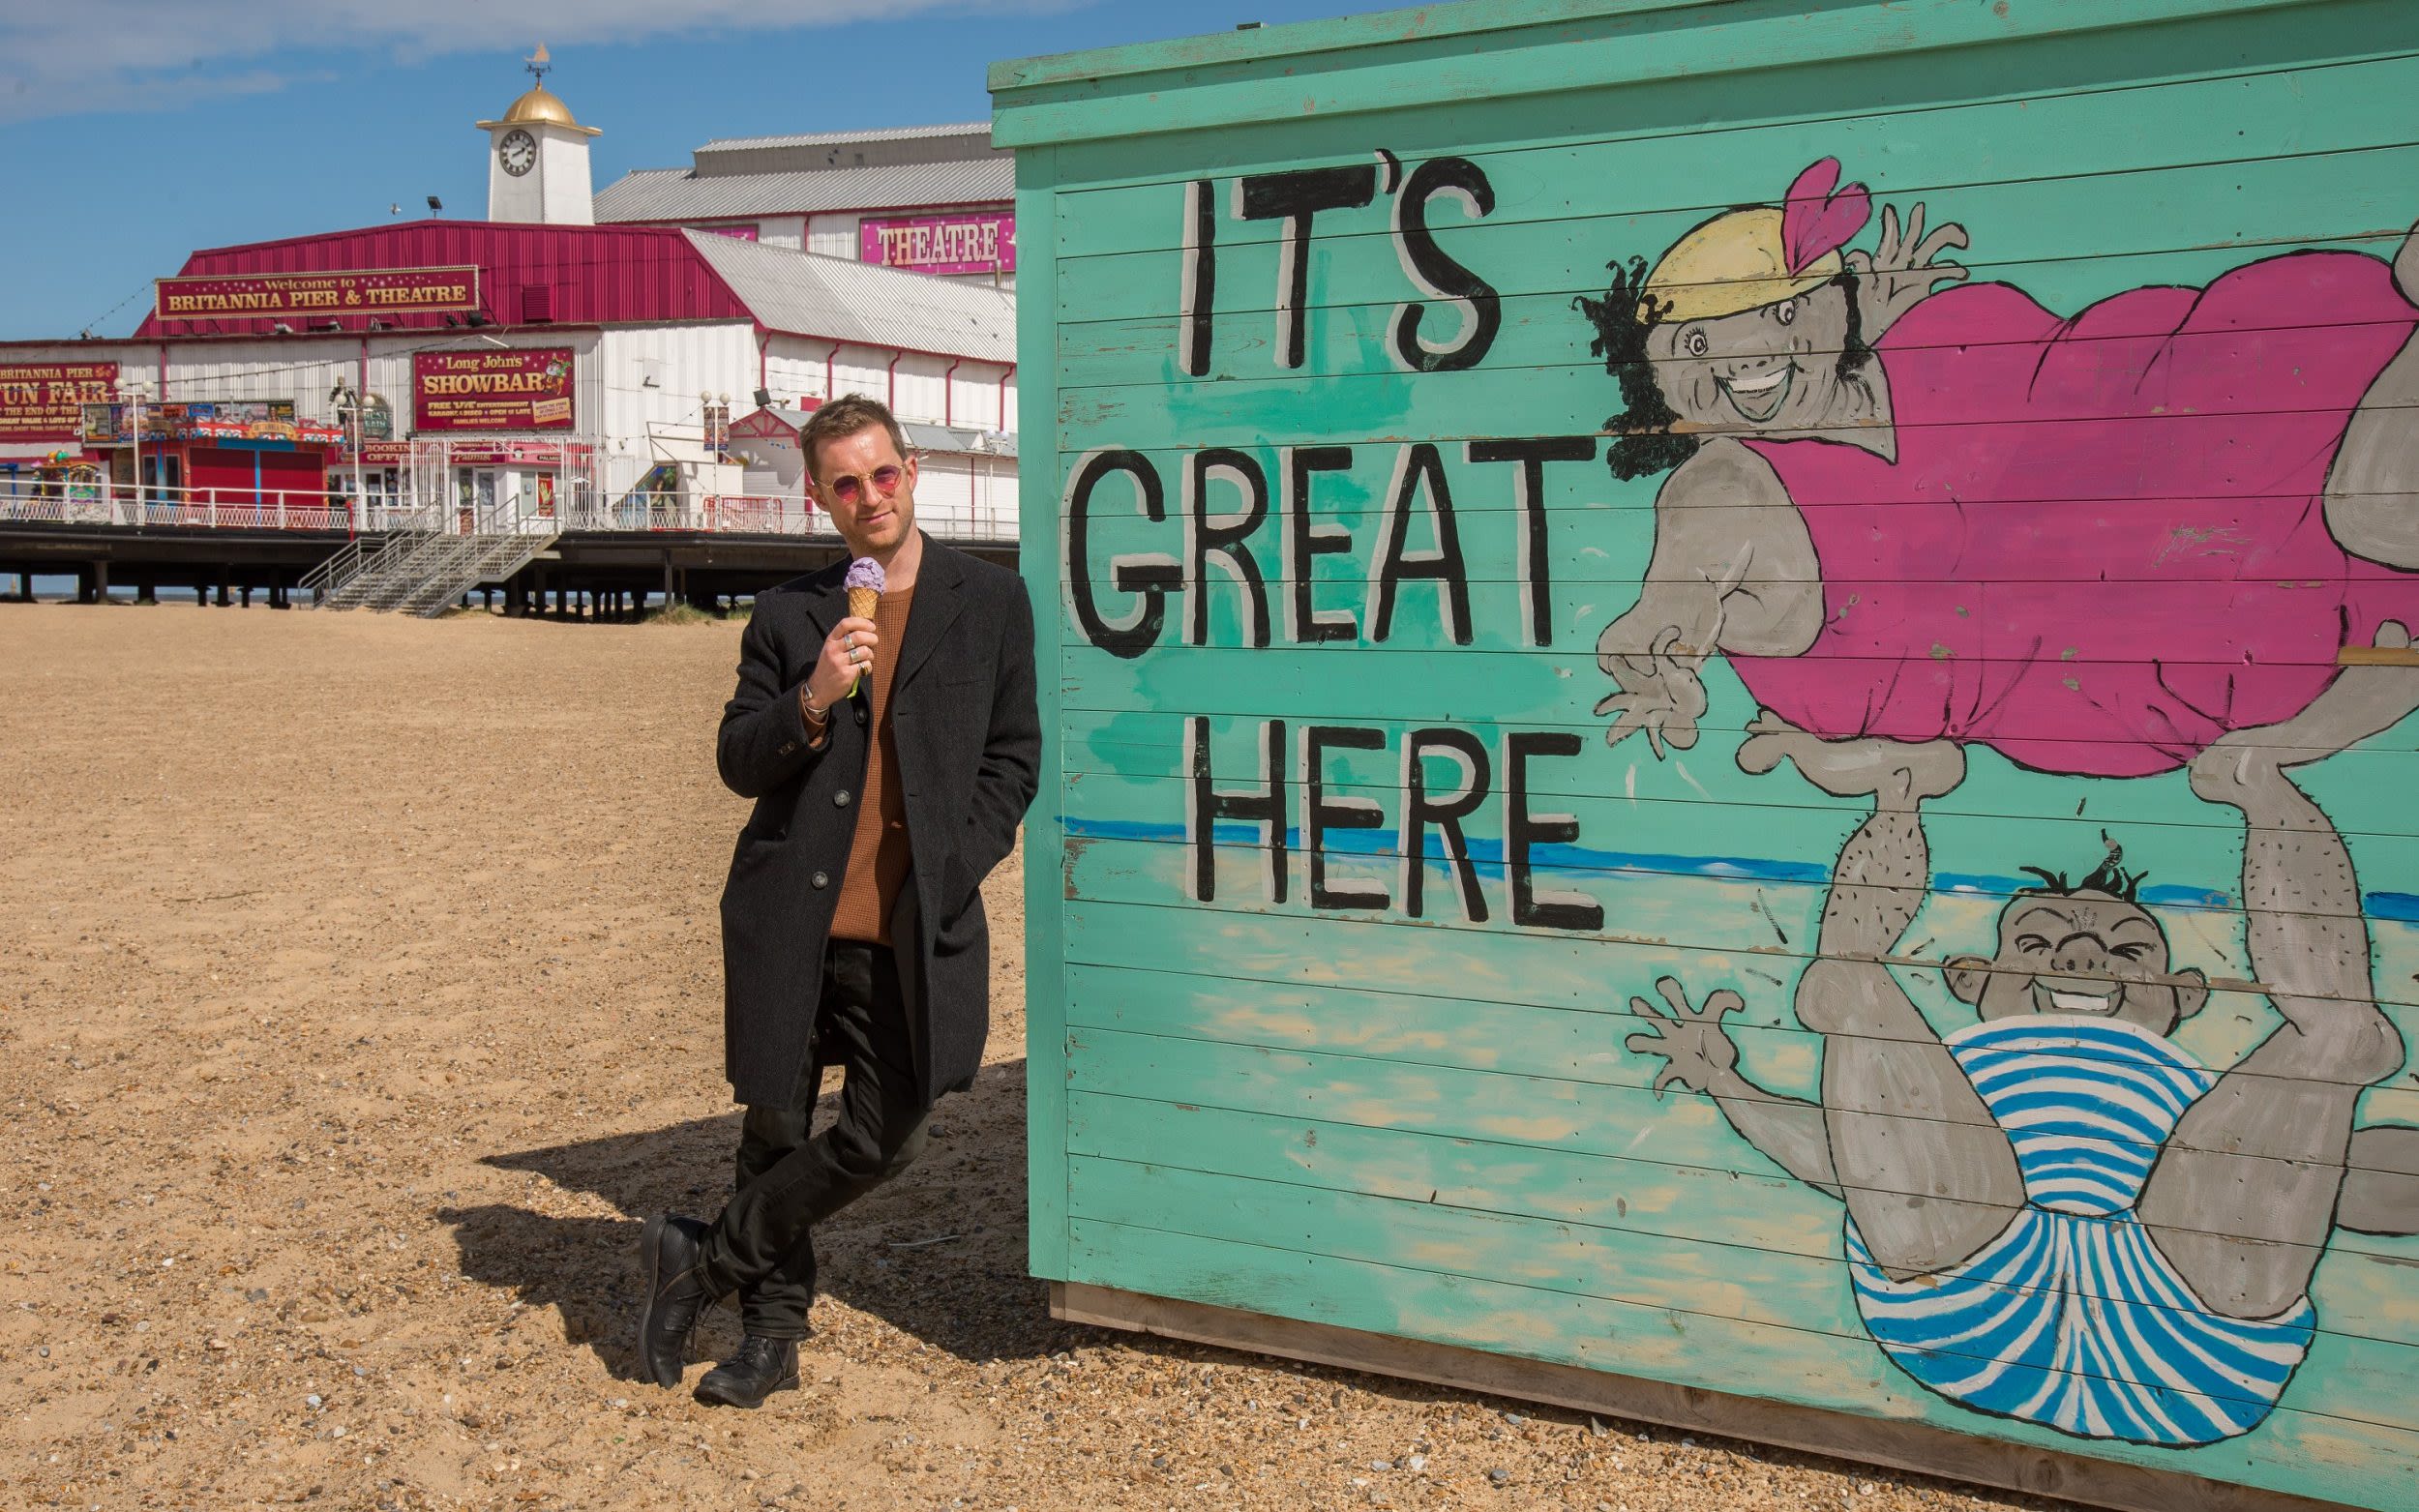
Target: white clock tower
x,y
538,160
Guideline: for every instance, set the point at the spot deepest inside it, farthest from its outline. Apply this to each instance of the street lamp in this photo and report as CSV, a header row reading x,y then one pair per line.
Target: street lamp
x,y
348,402
132,391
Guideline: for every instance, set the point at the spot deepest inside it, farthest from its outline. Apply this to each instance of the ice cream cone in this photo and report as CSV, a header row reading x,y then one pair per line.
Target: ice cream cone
x,y
861,602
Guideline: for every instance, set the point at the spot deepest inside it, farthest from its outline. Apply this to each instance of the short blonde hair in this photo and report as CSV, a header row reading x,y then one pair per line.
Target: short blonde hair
x,y
845,417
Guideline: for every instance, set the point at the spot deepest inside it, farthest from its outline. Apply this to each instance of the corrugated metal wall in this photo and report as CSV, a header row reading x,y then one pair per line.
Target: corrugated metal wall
x,y
597,275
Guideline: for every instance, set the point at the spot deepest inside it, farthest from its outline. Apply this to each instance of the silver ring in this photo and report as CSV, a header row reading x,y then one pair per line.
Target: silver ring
x,y
858,654
850,641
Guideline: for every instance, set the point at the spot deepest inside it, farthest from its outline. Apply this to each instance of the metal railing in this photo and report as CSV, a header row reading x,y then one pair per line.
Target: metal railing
x,y
93,503
753,514
758,514
979,523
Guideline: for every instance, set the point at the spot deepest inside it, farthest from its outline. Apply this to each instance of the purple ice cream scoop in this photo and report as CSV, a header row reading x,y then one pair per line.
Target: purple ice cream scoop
x,y
864,573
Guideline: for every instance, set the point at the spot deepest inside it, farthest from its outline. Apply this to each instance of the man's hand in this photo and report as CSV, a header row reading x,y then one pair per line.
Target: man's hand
x,y
1659,694
1903,269
847,651
1700,1050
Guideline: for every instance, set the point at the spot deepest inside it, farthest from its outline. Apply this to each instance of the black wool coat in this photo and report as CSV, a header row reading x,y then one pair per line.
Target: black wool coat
x,y
969,745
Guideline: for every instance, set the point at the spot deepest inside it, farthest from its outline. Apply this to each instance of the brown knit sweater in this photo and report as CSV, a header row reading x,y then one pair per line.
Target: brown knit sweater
x,y
878,853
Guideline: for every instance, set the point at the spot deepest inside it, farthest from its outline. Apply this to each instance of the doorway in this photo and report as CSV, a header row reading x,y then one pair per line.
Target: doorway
x,y
474,495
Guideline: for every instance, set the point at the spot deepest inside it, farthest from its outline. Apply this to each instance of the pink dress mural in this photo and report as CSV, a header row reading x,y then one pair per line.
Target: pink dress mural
x,y
2101,544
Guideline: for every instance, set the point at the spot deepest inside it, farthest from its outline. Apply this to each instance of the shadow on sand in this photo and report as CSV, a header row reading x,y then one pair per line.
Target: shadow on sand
x,y
938,1254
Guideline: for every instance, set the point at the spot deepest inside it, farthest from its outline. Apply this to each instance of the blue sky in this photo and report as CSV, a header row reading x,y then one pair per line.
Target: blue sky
x,y
135,130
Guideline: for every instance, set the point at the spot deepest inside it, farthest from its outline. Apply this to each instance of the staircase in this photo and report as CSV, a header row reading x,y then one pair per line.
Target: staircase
x,y
423,573
350,574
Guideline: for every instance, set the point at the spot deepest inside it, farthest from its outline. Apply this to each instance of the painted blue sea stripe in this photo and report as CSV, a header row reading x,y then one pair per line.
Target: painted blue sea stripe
x,y
1488,852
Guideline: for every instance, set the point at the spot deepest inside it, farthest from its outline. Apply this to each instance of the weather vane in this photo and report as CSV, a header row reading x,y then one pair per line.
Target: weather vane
x,y
537,63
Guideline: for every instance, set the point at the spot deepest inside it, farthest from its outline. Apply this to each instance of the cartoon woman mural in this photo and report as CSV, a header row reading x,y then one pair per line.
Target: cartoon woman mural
x,y
1921,512
2175,530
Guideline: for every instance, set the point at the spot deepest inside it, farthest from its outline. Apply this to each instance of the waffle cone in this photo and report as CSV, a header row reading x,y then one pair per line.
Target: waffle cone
x,y
861,604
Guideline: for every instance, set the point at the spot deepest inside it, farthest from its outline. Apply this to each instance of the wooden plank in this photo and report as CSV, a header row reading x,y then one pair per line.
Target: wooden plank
x,y
1850,90
1581,1046
1610,1119
2281,113
1045,838
1158,742
1540,332
1062,100
1766,1212
1907,1446
1788,848
2181,214
1789,819
1733,1213
1703,1288
1576,1331
1706,931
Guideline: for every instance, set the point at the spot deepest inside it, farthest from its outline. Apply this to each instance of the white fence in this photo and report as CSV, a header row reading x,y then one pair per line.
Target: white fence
x,y
82,503
94,503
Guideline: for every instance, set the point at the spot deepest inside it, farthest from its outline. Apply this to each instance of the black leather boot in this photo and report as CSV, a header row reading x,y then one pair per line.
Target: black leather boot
x,y
762,1366
676,1292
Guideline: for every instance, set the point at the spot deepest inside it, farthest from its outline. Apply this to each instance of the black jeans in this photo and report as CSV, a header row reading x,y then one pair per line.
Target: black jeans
x,y
762,1245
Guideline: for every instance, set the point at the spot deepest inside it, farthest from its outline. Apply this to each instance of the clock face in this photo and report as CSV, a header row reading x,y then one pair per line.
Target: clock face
x,y
518,151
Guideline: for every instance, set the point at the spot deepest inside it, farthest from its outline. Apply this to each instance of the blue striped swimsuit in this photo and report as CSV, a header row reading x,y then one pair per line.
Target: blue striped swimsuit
x,y
2072,1317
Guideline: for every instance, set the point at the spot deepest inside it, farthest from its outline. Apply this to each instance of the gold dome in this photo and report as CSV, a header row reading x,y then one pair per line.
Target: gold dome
x,y
540,106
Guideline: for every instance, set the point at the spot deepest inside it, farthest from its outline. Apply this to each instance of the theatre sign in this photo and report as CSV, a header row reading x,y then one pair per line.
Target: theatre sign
x,y
982,242
372,291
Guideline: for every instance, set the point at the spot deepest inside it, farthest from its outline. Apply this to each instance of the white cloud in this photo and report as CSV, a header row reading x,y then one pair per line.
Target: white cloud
x,y
71,57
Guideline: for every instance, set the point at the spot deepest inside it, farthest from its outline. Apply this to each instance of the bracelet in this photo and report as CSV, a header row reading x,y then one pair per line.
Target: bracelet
x,y
814,715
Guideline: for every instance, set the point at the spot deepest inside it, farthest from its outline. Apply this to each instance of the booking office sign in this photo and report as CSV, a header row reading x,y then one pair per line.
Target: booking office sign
x,y
1365,647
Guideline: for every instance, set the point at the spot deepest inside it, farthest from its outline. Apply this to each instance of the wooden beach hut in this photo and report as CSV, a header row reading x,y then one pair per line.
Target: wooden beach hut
x,y
1726,690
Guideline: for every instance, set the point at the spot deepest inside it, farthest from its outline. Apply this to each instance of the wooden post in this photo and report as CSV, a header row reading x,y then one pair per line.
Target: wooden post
x,y
227,579
101,581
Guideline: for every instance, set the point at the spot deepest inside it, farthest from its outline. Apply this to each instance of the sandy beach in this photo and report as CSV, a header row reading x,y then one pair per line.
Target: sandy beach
x,y
360,995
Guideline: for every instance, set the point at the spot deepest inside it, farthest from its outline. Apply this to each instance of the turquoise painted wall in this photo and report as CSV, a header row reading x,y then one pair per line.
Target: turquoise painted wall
x,y
2073,556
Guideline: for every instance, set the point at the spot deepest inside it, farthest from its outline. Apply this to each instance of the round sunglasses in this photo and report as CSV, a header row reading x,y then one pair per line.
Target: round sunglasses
x,y
849,488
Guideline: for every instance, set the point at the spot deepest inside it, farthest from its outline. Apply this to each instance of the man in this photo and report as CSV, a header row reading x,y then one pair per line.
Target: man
x,y
2056,1214
890,759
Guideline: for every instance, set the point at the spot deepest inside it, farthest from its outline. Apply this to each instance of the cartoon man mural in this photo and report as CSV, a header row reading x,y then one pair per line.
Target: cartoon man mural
x,y
2096,544
2055,1214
